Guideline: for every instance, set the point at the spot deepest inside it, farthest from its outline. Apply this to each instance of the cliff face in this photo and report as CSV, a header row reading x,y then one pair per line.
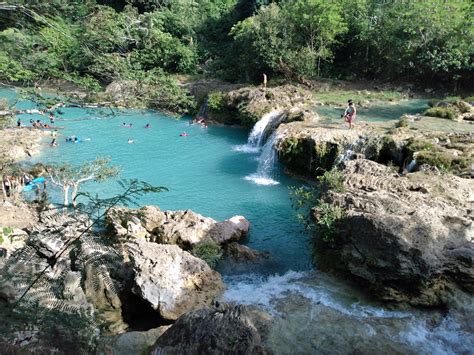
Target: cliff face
x,y
408,238
310,149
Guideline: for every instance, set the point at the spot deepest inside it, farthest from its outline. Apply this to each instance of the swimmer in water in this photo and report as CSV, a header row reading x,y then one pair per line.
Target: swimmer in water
x,y
148,125
54,143
184,134
130,141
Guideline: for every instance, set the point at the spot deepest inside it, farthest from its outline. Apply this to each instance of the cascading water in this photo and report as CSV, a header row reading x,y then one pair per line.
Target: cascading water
x,y
259,133
351,149
326,313
411,166
266,164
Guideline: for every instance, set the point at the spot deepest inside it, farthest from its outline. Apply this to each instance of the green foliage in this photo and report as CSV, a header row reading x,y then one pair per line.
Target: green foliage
x,y
441,112
327,216
209,251
291,148
216,101
92,43
331,180
313,212
416,145
402,122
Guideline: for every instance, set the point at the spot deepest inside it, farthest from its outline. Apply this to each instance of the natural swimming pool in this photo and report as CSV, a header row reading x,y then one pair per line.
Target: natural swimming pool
x,y
204,172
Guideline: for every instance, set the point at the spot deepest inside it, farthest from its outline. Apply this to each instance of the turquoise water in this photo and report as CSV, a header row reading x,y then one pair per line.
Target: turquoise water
x,y
313,311
201,171
376,112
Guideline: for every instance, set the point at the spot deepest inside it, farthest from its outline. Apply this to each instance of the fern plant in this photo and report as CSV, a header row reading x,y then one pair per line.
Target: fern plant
x,y
65,263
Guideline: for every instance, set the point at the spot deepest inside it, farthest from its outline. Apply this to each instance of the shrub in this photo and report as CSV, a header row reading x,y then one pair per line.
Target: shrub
x,y
209,251
441,112
331,180
326,216
402,122
291,148
215,101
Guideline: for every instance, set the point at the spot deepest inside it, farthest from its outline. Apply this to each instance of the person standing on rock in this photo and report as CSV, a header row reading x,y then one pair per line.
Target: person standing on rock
x,y
350,113
264,82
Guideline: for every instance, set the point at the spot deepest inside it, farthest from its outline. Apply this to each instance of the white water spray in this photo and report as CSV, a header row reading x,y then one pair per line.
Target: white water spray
x,y
259,133
267,161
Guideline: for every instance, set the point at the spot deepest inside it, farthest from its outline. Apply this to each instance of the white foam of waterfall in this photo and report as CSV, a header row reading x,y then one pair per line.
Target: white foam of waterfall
x,y
266,164
259,132
302,301
262,291
350,150
411,166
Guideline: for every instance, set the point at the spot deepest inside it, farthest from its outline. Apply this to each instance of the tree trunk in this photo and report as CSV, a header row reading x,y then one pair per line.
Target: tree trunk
x,y
66,195
74,194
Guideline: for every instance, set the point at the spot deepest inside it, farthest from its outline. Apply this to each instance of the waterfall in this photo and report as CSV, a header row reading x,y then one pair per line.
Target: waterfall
x,y
351,149
411,166
266,164
203,110
259,132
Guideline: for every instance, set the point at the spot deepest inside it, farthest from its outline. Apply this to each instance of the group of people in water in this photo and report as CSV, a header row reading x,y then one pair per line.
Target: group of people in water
x,y
38,123
199,120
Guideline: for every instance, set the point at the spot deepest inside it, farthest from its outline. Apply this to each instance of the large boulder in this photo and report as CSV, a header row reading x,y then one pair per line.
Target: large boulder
x,y
171,280
409,238
184,228
136,342
221,330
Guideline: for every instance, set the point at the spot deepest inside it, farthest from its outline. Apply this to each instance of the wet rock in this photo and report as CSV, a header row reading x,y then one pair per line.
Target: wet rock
x,y
409,238
136,342
241,253
171,280
222,330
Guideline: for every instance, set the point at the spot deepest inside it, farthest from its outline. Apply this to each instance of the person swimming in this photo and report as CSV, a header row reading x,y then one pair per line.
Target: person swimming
x,y
184,134
54,143
130,141
148,125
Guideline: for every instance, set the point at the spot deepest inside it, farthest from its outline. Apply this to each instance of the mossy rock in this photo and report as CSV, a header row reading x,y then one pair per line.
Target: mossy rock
x,y
390,151
441,112
325,156
443,160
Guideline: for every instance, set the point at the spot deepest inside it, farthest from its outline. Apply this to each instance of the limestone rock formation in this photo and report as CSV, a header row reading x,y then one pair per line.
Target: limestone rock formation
x,y
409,238
184,228
222,330
307,150
171,280
245,106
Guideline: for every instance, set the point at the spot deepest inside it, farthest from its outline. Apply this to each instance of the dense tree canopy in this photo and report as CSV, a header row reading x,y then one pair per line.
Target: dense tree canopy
x,y
95,42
